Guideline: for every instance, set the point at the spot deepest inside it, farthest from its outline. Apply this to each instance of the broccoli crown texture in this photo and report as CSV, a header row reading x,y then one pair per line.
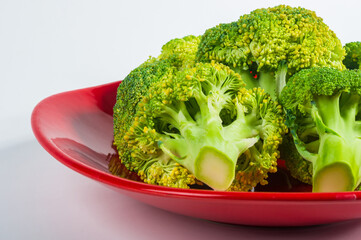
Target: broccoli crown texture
x,y
267,118
200,121
133,88
322,106
175,55
268,45
129,94
181,51
353,55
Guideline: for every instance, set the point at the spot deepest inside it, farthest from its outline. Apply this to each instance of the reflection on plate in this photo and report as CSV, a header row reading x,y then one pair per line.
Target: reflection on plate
x,y
76,128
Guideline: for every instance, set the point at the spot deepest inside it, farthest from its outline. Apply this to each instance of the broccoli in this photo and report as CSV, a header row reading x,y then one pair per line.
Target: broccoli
x,y
322,107
267,46
200,120
176,54
297,166
130,92
181,51
353,55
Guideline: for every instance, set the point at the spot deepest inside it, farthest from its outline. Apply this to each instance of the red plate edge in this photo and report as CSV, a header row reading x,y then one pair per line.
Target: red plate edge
x,y
156,190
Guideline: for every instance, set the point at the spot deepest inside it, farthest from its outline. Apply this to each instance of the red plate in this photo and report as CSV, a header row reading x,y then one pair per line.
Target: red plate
x,y
76,128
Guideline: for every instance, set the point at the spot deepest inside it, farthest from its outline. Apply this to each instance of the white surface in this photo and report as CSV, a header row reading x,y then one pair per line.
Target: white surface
x,y
42,199
48,47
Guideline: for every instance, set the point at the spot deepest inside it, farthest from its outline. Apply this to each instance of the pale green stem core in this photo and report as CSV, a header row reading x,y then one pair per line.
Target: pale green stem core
x,y
206,148
267,82
280,78
248,79
337,167
333,169
272,83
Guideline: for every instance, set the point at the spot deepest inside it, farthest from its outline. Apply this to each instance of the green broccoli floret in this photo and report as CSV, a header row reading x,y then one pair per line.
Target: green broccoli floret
x,y
353,55
134,87
175,55
181,51
129,94
181,119
254,165
322,106
269,45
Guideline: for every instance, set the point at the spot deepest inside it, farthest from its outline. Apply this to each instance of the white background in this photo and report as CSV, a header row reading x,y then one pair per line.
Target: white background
x,y
47,47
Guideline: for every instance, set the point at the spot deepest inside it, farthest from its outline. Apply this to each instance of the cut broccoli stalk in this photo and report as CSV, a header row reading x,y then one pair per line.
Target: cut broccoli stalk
x,y
215,168
323,107
196,123
204,146
337,167
206,161
333,170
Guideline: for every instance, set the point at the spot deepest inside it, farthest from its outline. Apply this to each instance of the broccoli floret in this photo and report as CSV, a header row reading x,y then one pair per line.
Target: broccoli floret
x,y
322,106
353,55
175,55
268,45
130,92
181,51
180,120
254,165
133,88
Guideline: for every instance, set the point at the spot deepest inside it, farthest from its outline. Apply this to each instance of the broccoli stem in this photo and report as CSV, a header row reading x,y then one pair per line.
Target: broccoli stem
x,y
280,77
267,82
272,83
338,162
247,78
334,167
208,152
215,168
328,108
207,148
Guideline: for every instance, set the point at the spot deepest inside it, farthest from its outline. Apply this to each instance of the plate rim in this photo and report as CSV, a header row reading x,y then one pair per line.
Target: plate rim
x,y
156,190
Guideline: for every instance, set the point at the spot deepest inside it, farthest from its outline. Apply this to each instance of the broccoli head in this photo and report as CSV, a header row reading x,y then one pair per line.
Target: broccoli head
x,y
176,54
129,94
181,51
268,45
204,123
322,107
353,55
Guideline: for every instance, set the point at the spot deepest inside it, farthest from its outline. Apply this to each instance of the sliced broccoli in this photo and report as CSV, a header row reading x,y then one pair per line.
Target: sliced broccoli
x,y
353,55
268,45
322,107
202,120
